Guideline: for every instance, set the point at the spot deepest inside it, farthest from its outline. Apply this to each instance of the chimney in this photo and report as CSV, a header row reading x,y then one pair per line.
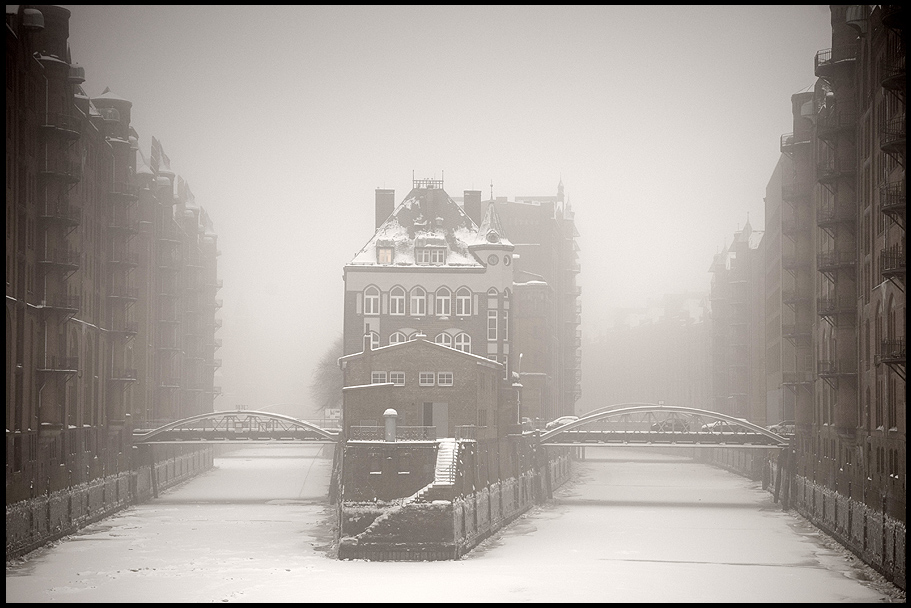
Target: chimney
x,y
367,342
385,205
471,205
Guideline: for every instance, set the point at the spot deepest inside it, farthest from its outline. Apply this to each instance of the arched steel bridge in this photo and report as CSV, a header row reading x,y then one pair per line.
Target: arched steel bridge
x,y
638,424
240,426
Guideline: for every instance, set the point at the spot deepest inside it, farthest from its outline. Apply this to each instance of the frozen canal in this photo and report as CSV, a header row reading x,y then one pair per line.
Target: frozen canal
x,y
631,527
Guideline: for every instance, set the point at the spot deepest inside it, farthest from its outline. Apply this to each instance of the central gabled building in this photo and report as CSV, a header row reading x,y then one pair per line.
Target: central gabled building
x,y
429,269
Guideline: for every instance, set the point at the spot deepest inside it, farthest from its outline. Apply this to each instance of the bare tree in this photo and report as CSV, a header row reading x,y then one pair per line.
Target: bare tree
x,y
326,385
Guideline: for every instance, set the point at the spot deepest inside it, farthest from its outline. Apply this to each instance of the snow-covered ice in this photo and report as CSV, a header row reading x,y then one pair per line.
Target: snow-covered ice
x,y
632,526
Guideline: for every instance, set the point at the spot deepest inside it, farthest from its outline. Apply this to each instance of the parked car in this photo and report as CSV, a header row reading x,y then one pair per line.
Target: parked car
x,y
723,426
562,420
675,425
785,427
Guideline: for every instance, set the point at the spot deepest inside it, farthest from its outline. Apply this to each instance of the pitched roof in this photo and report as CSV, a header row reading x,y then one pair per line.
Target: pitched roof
x,y
427,217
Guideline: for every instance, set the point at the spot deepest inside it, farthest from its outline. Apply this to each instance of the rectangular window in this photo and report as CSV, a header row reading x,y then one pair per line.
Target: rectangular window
x,y
463,303
397,378
437,256
505,325
491,325
426,378
377,377
384,255
482,418
444,379
422,256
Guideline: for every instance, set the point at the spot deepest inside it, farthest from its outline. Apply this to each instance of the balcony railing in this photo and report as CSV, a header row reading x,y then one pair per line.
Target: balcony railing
x,y
124,192
835,306
891,351
793,378
829,214
828,125
63,301
832,368
124,374
124,259
892,136
835,260
68,126
827,61
892,261
59,364
66,214
789,142
68,171
892,197
129,328
792,297
61,258
832,169
126,294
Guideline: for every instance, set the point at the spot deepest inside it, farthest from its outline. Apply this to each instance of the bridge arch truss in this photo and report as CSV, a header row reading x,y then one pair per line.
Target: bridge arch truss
x,y
240,426
631,424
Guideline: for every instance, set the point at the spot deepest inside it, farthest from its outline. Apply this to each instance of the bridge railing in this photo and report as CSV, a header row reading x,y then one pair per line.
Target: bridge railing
x,y
402,433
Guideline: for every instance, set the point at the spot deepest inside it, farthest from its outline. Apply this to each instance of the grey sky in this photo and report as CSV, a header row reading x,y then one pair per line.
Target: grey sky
x,y
663,122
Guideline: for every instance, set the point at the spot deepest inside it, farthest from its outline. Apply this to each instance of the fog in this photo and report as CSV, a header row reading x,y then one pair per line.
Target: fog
x,y
663,123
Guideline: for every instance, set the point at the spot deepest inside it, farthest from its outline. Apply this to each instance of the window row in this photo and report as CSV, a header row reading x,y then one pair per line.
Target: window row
x,y
443,302
461,341
424,378
417,302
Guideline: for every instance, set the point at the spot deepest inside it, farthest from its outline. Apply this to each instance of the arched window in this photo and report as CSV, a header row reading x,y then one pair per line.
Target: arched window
x,y
374,340
463,302
397,301
444,339
414,336
463,342
492,292
418,302
371,301
397,337
443,302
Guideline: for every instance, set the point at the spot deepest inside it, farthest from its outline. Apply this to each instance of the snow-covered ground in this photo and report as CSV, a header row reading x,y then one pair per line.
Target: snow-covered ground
x,y
632,526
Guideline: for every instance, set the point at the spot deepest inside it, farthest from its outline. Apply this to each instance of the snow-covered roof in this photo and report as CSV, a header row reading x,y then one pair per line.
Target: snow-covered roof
x,y
427,343
428,217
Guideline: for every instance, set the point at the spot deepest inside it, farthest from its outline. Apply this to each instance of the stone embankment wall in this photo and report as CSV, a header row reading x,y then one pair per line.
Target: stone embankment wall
x,y
867,531
35,522
445,524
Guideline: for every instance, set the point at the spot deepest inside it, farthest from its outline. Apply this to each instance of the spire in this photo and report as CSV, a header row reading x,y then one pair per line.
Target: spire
x,y
491,229
560,190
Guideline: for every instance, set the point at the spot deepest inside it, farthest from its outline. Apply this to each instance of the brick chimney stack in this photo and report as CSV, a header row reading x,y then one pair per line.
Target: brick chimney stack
x,y
385,205
471,205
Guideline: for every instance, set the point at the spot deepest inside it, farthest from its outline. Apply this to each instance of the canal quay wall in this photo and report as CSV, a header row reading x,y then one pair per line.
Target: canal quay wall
x,y
428,501
34,522
866,530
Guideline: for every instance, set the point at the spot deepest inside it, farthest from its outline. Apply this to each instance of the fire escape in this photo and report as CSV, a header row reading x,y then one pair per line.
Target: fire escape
x,y
892,193
837,209
58,258
797,278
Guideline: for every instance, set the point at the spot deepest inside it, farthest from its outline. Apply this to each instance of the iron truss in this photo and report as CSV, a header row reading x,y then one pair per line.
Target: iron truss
x,y
236,427
671,425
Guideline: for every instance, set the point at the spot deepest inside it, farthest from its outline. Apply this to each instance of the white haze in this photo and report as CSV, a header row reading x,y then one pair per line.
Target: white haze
x,y
662,121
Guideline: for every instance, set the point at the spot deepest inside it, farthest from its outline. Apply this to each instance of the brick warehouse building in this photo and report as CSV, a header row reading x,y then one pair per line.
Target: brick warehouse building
x,y
110,289
429,385
453,274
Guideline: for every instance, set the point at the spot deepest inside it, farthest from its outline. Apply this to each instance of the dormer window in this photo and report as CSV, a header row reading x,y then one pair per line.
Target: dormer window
x,y
433,256
384,255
